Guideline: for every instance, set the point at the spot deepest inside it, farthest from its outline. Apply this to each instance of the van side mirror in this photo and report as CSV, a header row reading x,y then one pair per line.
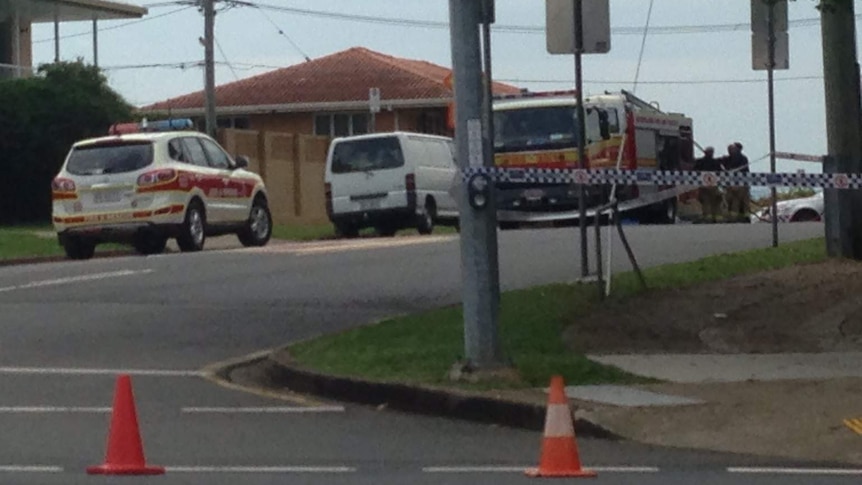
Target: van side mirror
x,y
242,161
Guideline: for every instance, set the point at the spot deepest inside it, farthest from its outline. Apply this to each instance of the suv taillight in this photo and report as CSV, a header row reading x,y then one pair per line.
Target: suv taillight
x,y
328,189
156,177
64,185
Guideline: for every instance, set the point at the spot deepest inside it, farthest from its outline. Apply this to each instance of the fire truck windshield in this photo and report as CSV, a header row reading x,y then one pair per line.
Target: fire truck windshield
x,y
525,129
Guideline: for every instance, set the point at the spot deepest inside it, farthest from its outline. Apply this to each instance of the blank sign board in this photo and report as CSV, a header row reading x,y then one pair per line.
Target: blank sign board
x,y
560,25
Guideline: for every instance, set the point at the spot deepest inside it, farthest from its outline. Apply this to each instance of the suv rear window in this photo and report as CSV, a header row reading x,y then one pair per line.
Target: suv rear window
x,y
113,157
368,154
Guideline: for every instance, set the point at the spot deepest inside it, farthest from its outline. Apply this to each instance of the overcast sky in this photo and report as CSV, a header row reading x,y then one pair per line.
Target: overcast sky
x,y
703,71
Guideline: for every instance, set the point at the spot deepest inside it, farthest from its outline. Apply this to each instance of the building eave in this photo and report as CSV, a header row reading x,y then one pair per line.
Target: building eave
x,y
305,107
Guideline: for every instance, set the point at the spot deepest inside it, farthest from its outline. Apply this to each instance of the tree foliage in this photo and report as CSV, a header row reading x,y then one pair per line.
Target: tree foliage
x,y
40,118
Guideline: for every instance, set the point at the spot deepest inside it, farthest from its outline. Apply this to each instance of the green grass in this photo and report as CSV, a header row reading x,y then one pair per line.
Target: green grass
x,y
421,348
18,242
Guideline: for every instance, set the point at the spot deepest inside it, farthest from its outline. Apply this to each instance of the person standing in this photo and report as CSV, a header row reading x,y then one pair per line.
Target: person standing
x,y
710,198
738,197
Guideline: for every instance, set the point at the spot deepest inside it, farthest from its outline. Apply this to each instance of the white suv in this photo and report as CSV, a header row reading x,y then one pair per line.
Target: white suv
x,y
143,188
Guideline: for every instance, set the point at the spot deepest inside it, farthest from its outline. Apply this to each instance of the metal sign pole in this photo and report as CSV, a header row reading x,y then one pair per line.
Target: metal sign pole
x,y
770,22
581,133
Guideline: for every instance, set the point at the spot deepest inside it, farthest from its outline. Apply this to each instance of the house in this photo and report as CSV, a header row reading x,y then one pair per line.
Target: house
x,y
17,17
329,96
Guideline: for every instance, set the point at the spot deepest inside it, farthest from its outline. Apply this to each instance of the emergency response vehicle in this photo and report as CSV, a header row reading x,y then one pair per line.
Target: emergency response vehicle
x,y
148,182
539,130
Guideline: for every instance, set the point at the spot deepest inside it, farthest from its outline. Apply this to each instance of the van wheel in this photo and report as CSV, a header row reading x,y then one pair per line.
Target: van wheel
x,y
426,218
147,243
79,248
193,230
346,231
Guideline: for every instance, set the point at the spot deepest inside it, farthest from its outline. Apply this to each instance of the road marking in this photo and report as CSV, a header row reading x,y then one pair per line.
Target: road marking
x,y
59,371
521,469
260,469
30,469
52,409
266,410
854,424
795,471
372,244
74,279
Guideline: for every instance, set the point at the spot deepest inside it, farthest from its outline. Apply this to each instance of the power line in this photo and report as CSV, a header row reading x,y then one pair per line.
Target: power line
x,y
674,82
643,47
283,34
226,61
118,26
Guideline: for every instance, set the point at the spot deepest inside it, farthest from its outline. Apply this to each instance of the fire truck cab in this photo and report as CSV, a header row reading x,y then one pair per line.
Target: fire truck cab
x,y
539,130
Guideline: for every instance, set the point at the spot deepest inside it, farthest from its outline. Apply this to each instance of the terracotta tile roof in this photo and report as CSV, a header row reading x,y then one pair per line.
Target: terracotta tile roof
x,y
341,77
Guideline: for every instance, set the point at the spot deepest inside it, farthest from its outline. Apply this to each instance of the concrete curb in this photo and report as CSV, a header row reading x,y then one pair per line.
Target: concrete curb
x,y
417,399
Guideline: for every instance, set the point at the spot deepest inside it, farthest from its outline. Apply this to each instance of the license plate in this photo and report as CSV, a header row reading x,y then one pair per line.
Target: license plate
x,y
369,204
107,196
534,194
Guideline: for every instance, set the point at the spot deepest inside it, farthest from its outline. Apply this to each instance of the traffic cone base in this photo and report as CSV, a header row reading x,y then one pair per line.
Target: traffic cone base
x,y
125,470
125,455
560,457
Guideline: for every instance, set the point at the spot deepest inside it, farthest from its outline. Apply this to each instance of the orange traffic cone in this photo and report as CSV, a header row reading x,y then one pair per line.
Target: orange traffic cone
x,y
559,449
125,454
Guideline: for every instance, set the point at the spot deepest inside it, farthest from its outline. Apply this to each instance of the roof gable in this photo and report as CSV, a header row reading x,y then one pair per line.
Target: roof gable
x,y
342,77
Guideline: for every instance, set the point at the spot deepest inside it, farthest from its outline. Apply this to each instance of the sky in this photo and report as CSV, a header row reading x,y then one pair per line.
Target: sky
x,y
703,71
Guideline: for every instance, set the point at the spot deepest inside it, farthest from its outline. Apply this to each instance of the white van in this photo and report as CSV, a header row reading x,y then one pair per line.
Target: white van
x,y
390,181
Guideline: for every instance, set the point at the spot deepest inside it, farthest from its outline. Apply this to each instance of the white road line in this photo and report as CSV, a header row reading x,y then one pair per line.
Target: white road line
x,y
30,469
260,469
52,409
266,410
74,279
795,471
374,244
521,469
97,372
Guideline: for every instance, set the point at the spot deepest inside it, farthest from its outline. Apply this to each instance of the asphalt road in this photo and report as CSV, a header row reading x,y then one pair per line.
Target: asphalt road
x,y
67,329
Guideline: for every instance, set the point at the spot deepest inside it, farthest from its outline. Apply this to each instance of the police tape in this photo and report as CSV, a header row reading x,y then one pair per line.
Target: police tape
x,y
691,179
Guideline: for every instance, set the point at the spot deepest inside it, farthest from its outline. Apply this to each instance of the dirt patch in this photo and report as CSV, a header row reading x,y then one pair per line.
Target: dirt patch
x,y
803,308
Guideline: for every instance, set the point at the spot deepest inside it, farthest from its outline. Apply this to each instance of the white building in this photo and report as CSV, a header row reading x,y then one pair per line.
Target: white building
x,y
18,16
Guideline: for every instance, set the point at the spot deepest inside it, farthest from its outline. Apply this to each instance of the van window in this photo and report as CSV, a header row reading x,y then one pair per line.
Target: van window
x,y
110,157
367,154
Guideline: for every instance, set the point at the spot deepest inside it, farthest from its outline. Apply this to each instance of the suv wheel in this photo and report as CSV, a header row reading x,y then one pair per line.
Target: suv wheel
x,y
345,230
79,248
425,224
193,230
258,228
149,243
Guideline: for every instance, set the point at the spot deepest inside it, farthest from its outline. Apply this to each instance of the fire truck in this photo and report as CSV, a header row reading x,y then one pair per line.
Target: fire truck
x,y
539,130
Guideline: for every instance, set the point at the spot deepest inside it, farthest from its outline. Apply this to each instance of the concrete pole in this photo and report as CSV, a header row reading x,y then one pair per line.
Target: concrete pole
x,y
95,42
478,230
16,43
841,82
488,117
209,66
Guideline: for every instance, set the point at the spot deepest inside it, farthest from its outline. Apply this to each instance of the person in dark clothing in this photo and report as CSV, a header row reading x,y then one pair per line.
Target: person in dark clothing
x,y
710,198
738,197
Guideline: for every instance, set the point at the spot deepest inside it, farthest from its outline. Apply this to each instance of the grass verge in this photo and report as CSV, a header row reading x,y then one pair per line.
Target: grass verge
x,y
421,348
21,242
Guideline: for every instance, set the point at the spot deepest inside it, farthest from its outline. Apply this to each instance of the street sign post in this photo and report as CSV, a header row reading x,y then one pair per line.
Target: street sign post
x,y
769,37
374,106
579,27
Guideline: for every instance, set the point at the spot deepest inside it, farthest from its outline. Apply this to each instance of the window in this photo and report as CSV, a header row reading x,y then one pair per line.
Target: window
x,y
236,122
341,124
175,150
217,157
367,154
110,157
194,152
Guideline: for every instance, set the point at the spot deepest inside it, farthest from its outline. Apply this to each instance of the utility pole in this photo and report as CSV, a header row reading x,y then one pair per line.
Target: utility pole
x,y
841,83
209,66
770,27
477,209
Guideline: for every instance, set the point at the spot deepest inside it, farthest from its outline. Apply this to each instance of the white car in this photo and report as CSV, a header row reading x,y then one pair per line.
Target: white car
x,y
143,186
807,209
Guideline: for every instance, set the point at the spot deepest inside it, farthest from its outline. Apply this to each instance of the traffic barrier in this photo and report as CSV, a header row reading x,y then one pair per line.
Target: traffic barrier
x,y
125,455
560,457
665,177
